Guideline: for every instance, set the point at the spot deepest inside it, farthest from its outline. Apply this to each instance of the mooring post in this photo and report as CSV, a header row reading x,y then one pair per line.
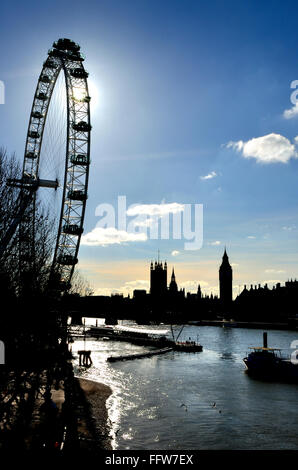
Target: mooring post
x,y
88,360
2,353
265,343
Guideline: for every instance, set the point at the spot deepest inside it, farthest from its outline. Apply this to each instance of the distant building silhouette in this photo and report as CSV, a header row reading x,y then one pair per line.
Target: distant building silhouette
x,y
173,288
158,279
263,304
139,293
225,282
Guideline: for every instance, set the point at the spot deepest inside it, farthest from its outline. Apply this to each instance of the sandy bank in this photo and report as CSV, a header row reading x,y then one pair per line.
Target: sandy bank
x,y
97,395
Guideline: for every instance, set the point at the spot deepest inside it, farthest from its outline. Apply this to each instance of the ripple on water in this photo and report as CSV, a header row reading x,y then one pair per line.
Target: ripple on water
x,y
146,410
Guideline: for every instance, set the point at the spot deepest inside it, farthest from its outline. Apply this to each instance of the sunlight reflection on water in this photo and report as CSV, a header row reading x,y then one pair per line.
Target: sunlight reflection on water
x,y
224,408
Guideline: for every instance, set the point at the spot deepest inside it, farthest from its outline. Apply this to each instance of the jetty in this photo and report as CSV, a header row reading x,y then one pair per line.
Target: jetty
x,y
139,355
145,337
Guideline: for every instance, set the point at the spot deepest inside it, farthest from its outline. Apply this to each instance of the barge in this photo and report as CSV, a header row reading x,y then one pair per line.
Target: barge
x,y
268,363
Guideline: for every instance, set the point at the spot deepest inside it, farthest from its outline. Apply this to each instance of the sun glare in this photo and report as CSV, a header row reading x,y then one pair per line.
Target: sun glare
x,y
79,94
94,93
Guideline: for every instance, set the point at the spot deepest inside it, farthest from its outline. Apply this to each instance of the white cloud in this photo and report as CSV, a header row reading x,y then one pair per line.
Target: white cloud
x,y
216,243
110,236
275,271
291,113
145,223
270,148
125,289
155,209
138,284
130,286
289,228
251,237
175,253
210,175
272,281
192,286
103,291
137,228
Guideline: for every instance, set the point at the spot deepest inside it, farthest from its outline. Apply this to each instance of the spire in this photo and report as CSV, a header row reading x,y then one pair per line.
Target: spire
x,y
225,259
173,288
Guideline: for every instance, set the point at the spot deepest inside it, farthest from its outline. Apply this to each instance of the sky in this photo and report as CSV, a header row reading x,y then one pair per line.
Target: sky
x,y
191,105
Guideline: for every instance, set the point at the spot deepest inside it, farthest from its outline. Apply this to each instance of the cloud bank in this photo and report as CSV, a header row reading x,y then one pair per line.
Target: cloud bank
x,y
155,209
291,113
270,148
110,236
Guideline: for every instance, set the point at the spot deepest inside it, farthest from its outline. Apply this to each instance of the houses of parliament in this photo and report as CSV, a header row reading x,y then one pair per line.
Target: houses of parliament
x,y
167,300
167,303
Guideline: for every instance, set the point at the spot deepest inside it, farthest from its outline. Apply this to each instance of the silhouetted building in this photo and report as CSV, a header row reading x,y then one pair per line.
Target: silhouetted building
x,y
225,282
259,303
139,294
173,288
158,279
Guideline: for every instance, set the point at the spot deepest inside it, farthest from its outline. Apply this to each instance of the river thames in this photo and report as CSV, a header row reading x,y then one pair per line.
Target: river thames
x,y
200,401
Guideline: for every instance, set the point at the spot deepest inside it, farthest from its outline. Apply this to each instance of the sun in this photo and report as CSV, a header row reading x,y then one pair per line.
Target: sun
x,y
78,94
94,93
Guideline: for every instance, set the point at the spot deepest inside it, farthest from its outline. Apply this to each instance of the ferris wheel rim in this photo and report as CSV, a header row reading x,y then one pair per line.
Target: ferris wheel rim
x,y
65,58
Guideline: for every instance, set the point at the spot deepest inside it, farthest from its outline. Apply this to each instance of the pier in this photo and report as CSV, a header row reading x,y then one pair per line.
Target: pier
x,y
138,355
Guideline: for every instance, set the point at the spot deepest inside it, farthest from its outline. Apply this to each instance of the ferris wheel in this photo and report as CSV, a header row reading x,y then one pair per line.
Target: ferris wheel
x,y
56,159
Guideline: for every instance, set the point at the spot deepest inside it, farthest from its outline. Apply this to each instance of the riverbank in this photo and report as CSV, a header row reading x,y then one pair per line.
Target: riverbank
x,y
243,324
54,413
96,395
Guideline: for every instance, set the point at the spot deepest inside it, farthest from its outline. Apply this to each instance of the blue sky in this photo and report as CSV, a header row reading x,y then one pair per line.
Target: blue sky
x,y
182,90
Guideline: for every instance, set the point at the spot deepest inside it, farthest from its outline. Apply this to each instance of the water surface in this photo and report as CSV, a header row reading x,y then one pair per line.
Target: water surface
x,y
197,401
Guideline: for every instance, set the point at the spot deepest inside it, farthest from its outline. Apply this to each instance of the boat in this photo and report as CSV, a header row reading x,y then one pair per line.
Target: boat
x,y
268,363
135,335
104,330
187,346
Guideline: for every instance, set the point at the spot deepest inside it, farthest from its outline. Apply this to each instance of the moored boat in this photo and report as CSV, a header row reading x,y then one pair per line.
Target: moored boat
x,y
187,346
103,330
268,363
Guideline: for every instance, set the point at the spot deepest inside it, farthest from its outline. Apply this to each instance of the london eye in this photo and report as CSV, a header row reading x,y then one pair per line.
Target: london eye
x,y
56,162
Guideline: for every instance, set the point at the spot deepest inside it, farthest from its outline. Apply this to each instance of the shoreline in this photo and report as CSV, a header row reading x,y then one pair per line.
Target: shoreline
x,y
97,394
242,324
